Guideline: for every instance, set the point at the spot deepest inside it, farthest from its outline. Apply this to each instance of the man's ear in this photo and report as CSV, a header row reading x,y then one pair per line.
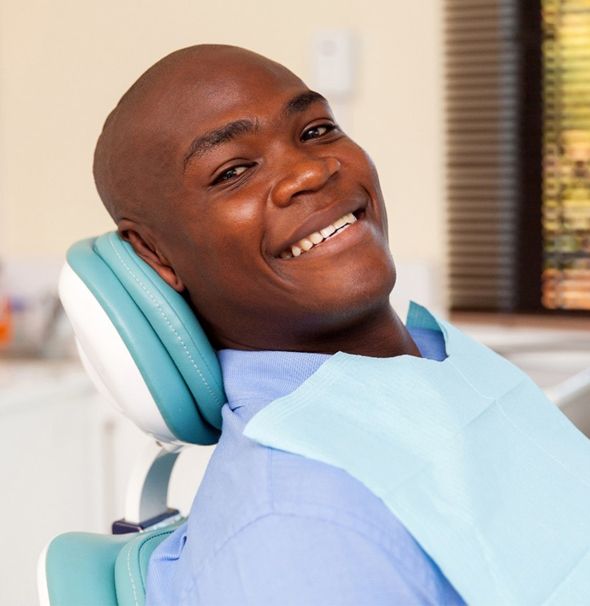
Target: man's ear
x,y
146,248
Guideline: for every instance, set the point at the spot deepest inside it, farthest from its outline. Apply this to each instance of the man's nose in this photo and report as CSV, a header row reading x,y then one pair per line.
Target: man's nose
x,y
306,174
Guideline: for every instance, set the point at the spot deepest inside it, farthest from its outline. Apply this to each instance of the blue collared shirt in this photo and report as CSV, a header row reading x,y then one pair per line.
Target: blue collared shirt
x,y
272,528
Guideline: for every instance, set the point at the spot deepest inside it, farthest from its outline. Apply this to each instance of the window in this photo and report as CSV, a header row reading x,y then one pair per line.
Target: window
x,y
566,154
518,154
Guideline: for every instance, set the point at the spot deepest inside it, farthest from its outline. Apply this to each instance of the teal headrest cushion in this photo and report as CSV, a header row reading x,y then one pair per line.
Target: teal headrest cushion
x,y
161,332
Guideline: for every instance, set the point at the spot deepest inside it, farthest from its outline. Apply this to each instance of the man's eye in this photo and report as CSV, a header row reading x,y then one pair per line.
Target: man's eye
x,y
317,131
230,173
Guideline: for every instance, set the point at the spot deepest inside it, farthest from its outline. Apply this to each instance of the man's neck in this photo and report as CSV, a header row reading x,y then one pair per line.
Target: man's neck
x,y
379,335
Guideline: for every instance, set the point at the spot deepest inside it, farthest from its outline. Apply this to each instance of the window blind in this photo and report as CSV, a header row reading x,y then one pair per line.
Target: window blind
x,y
483,71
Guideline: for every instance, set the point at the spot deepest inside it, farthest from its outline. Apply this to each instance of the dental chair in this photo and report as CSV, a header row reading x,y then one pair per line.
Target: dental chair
x,y
145,351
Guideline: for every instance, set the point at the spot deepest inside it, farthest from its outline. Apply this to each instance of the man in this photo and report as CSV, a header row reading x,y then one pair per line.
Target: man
x,y
234,182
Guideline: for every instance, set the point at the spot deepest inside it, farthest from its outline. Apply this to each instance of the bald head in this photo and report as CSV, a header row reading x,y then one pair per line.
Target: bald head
x,y
137,163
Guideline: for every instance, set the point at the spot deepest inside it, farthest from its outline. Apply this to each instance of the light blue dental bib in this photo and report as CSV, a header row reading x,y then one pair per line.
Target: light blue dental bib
x,y
485,472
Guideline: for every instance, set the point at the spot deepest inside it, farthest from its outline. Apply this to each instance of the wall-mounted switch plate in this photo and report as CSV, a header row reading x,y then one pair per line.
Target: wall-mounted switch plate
x,y
334,62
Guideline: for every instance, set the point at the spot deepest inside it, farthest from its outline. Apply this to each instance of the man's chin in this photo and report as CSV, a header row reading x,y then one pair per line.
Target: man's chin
x,y
346,296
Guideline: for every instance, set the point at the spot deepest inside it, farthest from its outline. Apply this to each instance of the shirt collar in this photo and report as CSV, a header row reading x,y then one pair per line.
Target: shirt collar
x,y
256,378
259,377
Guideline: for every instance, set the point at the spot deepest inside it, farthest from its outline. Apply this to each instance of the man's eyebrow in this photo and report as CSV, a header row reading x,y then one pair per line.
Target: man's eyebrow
x,y
206,142
301,102
213,138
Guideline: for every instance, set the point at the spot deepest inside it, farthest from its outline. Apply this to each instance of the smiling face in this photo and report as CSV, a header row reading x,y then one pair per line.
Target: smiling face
x,y
272,218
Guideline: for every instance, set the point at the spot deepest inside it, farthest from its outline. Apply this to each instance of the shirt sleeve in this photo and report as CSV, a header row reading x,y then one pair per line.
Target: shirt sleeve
x,y
287,560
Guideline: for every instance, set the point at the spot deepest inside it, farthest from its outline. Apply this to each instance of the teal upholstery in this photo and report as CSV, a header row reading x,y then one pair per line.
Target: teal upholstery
x,y
181,372
80,569
132,564
85,569
161,332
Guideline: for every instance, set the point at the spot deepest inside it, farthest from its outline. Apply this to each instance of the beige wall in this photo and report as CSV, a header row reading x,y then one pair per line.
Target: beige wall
x,y
66,62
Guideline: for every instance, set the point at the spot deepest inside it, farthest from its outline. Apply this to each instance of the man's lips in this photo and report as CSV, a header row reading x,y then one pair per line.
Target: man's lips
x,y
317,222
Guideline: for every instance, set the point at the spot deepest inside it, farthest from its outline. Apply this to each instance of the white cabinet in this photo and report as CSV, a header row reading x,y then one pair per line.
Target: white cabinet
x,y
49,467
64,461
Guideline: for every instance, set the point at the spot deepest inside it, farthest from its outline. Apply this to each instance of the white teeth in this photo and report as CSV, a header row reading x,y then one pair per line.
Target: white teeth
x,y
310,241
340,222
327,231
305,244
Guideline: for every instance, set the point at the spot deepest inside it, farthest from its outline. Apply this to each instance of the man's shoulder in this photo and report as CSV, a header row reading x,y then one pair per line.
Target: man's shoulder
x,y
298,484
261,507
282,558
249,483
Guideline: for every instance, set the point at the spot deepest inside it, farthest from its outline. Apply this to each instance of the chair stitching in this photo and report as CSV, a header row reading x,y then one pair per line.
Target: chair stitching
x,y
131,577
163,314
144,542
